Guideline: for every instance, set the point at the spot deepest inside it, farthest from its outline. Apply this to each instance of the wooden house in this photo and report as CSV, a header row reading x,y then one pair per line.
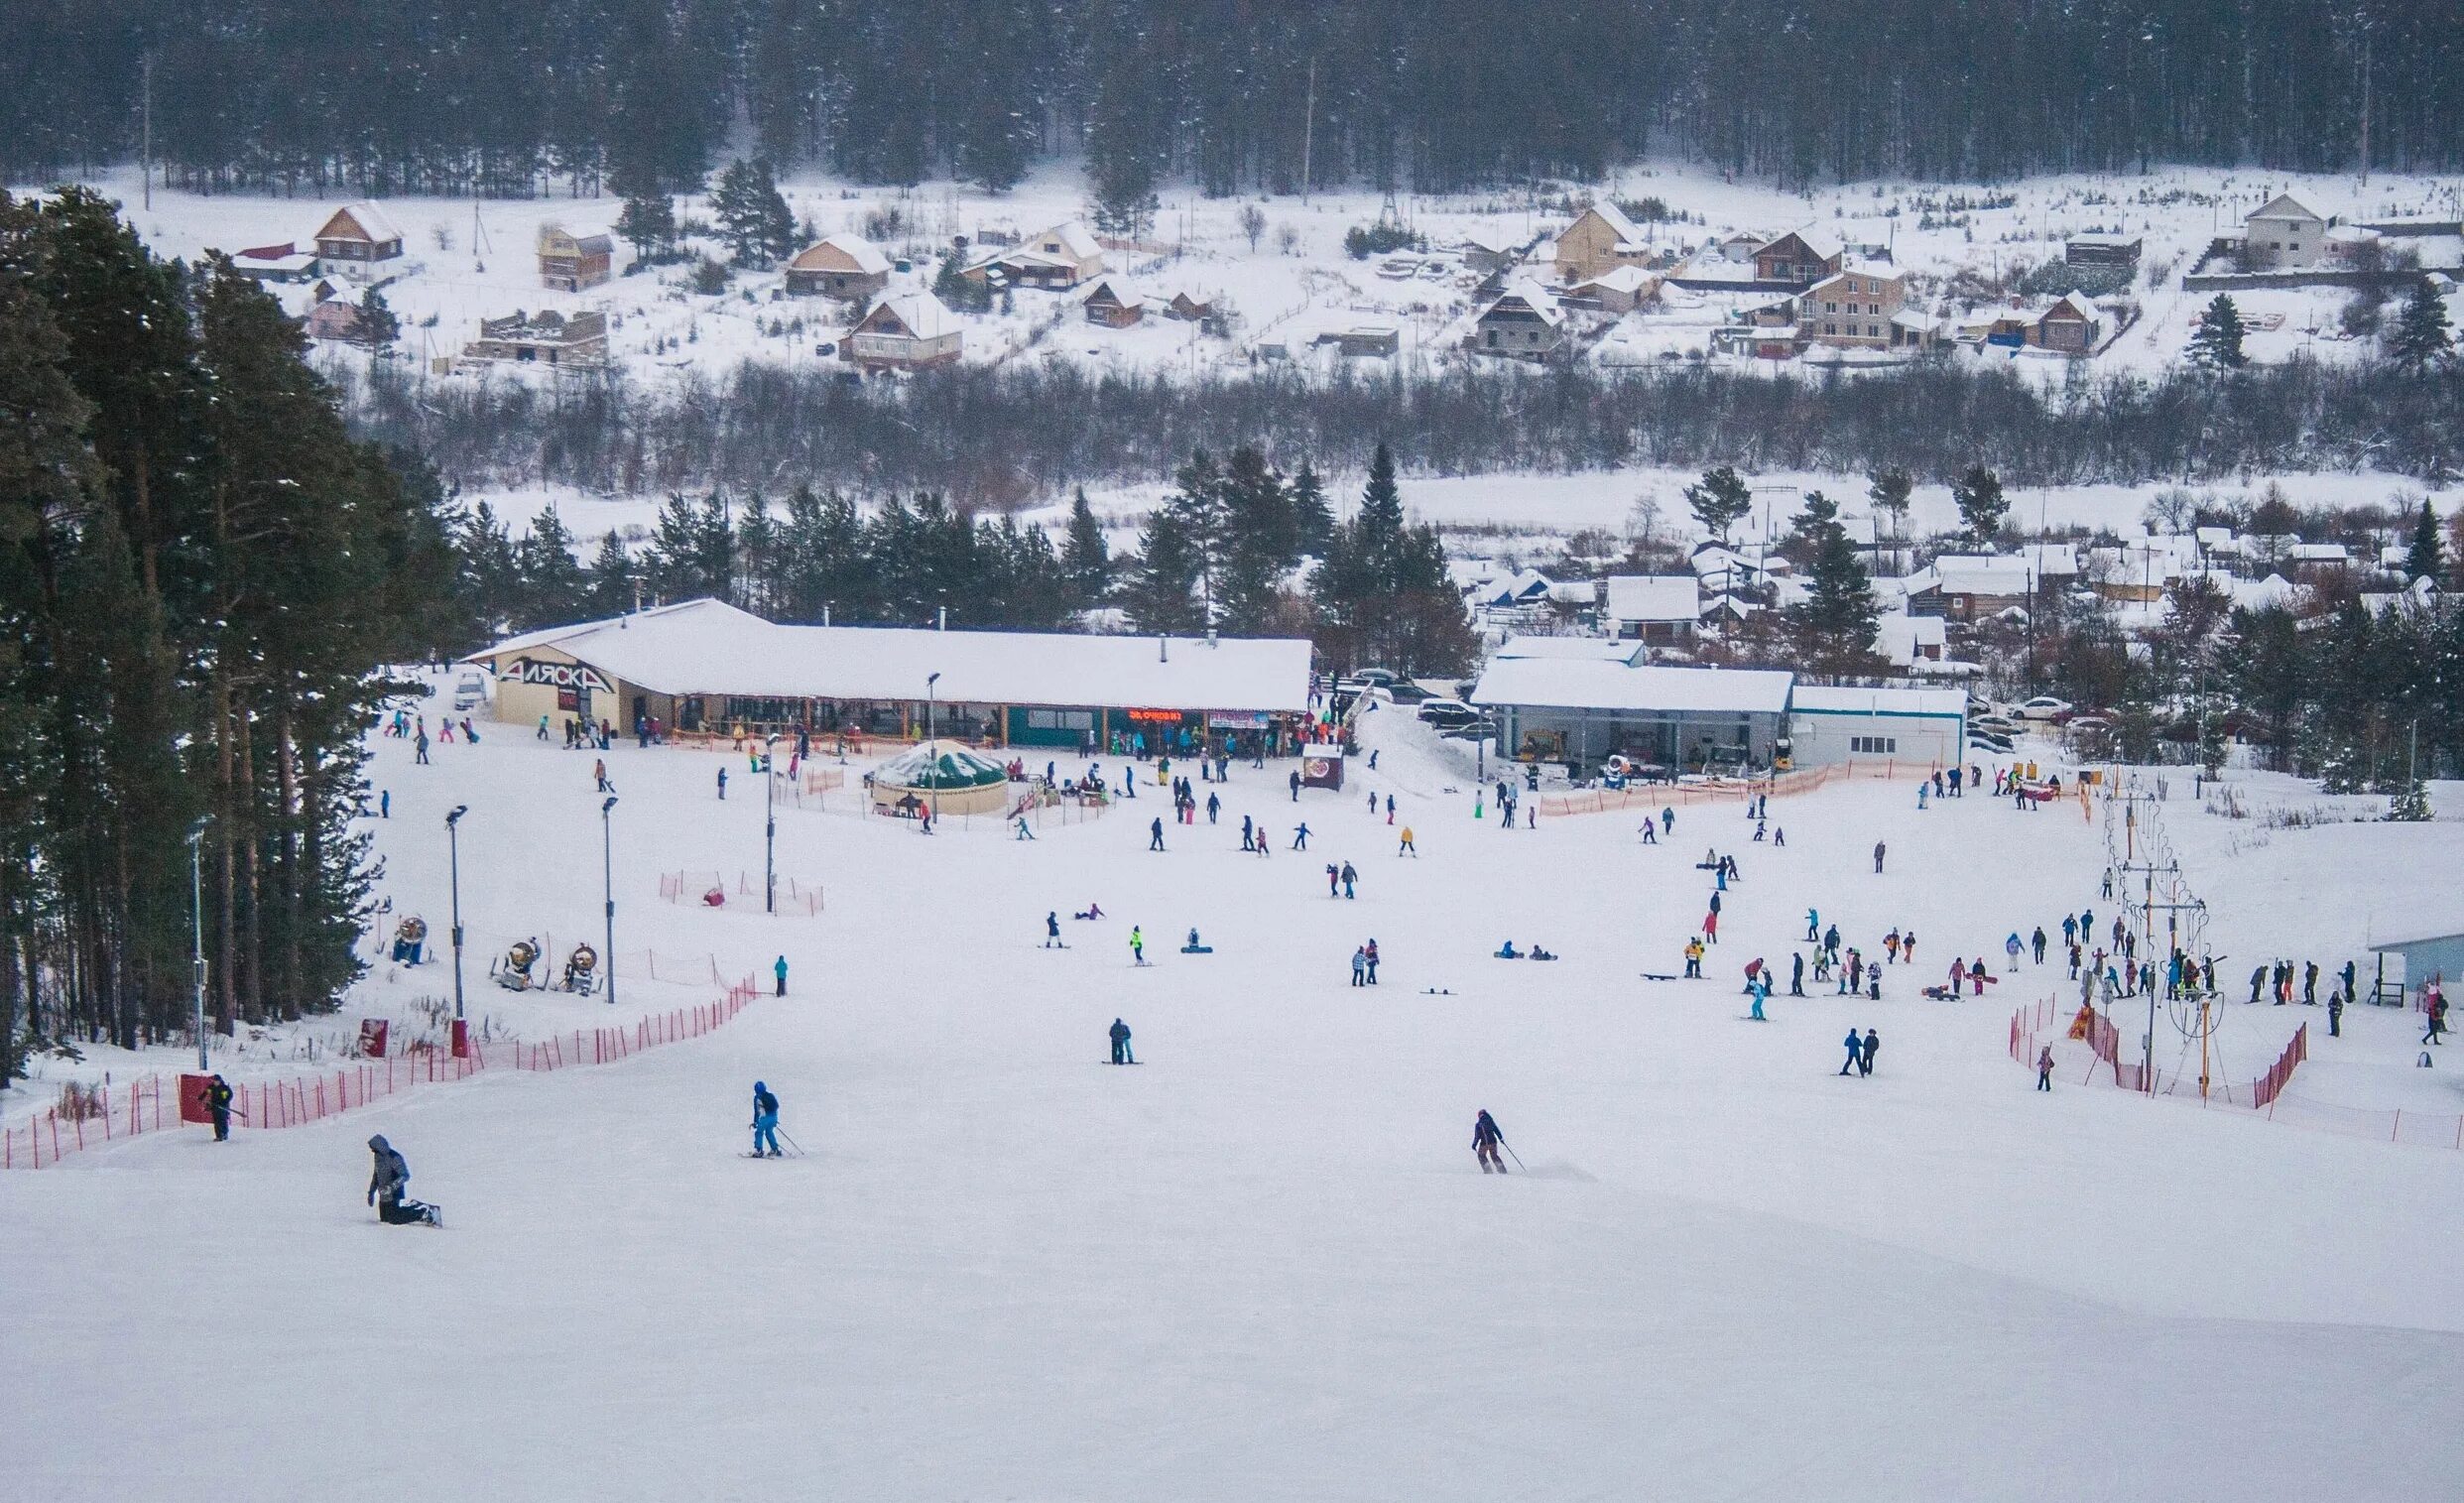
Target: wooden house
x,y
546,338
1057,259
335,321
1797,257
568,262
846,267
911,332
2101,250
2070,325
1113,305
1600,238
1521,323
1189,307
358,235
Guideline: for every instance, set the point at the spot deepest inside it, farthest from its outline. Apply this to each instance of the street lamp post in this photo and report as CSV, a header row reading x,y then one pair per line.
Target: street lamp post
x,y
454,846
196,940
770,823
607,877
932,787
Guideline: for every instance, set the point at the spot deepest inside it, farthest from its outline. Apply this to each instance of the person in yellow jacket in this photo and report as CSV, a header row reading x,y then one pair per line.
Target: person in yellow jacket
x,y
1407,848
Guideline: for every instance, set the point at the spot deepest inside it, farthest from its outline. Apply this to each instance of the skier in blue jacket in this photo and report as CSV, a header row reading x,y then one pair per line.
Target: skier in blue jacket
x,y
1856,1051
765,1123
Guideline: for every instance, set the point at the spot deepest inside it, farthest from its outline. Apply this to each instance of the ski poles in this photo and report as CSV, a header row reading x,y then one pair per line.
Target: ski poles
x,y
791,1143
1511,1154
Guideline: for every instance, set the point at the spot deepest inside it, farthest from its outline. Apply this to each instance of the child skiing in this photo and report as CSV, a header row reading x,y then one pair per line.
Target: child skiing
x,y
765,1123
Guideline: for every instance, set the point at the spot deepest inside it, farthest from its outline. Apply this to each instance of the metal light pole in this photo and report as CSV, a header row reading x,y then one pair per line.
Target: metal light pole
x,y
608,870
453,844
931,747
196,941
770,823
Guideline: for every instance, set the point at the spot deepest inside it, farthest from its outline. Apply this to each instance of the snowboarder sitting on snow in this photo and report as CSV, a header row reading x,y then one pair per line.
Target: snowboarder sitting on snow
x,y
1486,1141
1506,951
1193,948
386,1185
1121,1043
765,1123
1094,911
1539,953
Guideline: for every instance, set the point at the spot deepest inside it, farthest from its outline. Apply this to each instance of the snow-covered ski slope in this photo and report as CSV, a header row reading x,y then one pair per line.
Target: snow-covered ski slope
x,y
1265,1266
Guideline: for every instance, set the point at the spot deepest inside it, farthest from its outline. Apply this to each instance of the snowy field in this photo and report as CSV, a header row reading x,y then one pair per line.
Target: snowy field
x,y
472,261
1263,1265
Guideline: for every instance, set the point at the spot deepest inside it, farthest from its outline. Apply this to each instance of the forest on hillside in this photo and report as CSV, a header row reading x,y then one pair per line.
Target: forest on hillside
x,y
995,439
1235,95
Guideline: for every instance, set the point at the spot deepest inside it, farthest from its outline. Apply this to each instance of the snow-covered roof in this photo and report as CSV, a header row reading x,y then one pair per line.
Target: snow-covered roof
x,y
1558,649
1901,639
2285,206
1528,292
1821,244
1652,597
1616,220
1122,293
1486,238
1818,699
1072,237
2275,590
1530,585
2054,560
1576,684
1975,574
860,253
2076,305
1622,279
707,647
372,221
1574,592
2100,237
920,313
2320,553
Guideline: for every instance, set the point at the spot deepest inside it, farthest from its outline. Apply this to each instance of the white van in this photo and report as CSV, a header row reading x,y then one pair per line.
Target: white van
x,y
471,692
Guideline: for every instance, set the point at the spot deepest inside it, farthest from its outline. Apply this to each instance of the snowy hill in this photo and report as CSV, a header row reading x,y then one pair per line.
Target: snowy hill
x,y
1263,1264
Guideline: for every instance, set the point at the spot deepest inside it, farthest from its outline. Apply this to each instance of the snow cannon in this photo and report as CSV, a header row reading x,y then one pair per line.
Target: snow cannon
x,y
409,936
581,970
514,973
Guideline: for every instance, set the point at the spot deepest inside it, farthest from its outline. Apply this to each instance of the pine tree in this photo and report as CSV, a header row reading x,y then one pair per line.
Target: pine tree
x,y
1160,593
2419,338
1982,506
1382,593
376,329
1890,490
608,590
553,584
2425,559
1720,501
647,225
1085,559
752,215
2216,344
1832,629
491,570
1312,518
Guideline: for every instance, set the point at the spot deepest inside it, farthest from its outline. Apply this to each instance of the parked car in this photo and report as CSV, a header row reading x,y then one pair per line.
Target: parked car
x,y
471,692
1404,691
2045,707
1447,714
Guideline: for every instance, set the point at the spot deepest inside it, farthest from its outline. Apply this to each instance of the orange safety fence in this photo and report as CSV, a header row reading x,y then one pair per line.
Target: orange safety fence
x,y
90,1119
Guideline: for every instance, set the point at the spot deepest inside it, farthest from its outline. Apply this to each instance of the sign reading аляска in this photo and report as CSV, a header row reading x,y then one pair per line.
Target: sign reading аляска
x,y
558,674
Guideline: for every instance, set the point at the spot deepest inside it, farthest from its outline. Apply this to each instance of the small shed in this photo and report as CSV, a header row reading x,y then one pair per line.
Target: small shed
x,y
2437,957
1366,340
2101,250
1619,290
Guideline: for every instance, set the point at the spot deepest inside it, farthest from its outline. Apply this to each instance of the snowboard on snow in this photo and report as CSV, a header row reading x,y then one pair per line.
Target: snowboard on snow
x,y
1658,975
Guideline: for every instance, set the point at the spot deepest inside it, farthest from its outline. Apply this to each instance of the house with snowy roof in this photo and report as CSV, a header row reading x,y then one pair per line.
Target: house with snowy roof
x,y
2283,232
274,263
1662,610
1055,259
1972,588
2070,325
1907,641
911,332
843,266
1112,303
570,261
1619,290
358,235
1802,257
1600,238
1521,323
1854,308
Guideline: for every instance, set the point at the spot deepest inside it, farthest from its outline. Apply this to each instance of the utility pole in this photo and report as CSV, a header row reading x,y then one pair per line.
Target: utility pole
x,y
197,941
2365,105
454,846
770,823
1309,128
146,166
607,869
933,755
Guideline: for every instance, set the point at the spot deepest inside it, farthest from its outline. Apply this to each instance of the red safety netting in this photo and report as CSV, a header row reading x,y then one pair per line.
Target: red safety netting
x,y
89,1119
